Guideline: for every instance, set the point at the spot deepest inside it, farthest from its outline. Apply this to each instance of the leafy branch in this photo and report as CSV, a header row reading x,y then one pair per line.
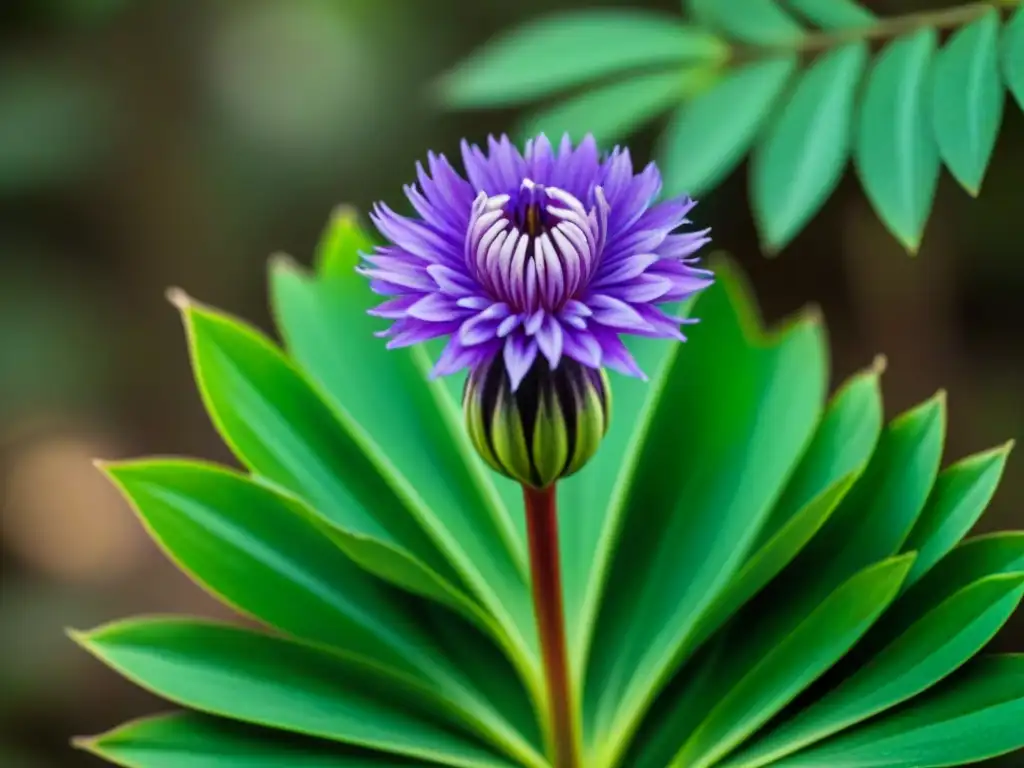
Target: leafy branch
x,y
795,84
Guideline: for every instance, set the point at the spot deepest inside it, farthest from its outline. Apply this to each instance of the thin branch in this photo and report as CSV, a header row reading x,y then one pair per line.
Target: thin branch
x,y
884,29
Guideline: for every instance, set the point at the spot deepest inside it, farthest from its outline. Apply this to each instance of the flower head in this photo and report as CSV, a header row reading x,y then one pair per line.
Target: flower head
x,y
544,253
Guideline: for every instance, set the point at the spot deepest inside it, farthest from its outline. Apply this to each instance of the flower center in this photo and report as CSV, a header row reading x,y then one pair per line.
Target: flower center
x,y
537,247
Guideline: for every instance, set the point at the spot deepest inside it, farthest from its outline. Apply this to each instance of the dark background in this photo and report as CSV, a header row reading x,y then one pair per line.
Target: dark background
x,y
145,144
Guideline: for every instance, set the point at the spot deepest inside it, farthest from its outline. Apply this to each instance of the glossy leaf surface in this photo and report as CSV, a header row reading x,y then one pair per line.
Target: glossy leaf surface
x,y
967,104
896,153
803,156
710,134
267,681
568,49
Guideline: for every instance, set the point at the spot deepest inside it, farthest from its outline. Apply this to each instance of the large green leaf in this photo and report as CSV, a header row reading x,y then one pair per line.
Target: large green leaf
x,y
1013,55
414,423
568,49
590,499
264,553
283,429
834,14
771,653
896,152
976,714
191,740
875,518
277,683
613,111
803,156
761,22
277,424
688,517
920,641
838,454
780,671
961,493
967,104
709,135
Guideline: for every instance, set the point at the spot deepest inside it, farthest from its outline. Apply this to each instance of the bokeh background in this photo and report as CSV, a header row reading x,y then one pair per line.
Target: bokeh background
x,y
150,143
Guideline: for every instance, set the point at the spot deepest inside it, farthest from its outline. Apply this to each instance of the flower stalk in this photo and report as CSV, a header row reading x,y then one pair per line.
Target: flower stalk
x,y
546,575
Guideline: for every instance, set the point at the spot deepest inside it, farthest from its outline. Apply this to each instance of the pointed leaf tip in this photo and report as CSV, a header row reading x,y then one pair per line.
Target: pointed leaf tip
x,y
967,99
879,364
896,153
177,296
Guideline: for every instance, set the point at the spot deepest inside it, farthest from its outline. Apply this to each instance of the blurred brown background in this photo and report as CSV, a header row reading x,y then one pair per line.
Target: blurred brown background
x,y
148,143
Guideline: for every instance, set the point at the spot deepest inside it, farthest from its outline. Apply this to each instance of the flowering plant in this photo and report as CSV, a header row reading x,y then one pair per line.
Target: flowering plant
x,y
720,569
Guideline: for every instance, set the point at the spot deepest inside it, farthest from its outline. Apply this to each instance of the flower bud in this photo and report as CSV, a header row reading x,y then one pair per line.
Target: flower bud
x,y
547,429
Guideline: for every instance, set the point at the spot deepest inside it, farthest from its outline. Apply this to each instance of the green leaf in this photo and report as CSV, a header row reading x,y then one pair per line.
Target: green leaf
x,y
967,104
413,423
803,156
590,499
876,517
896,153
279,427
264,553
1013,55
775,673
834,14
957,501
338,251
563,50
688,518
974,715
191,740
838,454
919,642
613,111
708,136
277,683
761,22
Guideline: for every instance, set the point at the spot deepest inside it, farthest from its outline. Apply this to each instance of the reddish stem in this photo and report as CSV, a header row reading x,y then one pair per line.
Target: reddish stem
x,y
546,572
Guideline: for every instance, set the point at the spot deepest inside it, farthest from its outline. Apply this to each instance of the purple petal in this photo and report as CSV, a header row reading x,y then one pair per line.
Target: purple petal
x,y
508,325
540,159
681,246
615,355
483,326
582,347
456,356
395,308
451,281
520,353
416,238
479,172
436,308
415,332
642,290
549,341
616,313
626,269
416,280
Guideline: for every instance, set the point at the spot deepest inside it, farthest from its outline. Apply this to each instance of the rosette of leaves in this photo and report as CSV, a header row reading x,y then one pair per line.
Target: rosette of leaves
x,y
754,573
802,86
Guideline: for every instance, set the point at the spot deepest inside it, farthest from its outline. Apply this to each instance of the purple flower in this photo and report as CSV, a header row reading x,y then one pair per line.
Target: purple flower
x,y
552,253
